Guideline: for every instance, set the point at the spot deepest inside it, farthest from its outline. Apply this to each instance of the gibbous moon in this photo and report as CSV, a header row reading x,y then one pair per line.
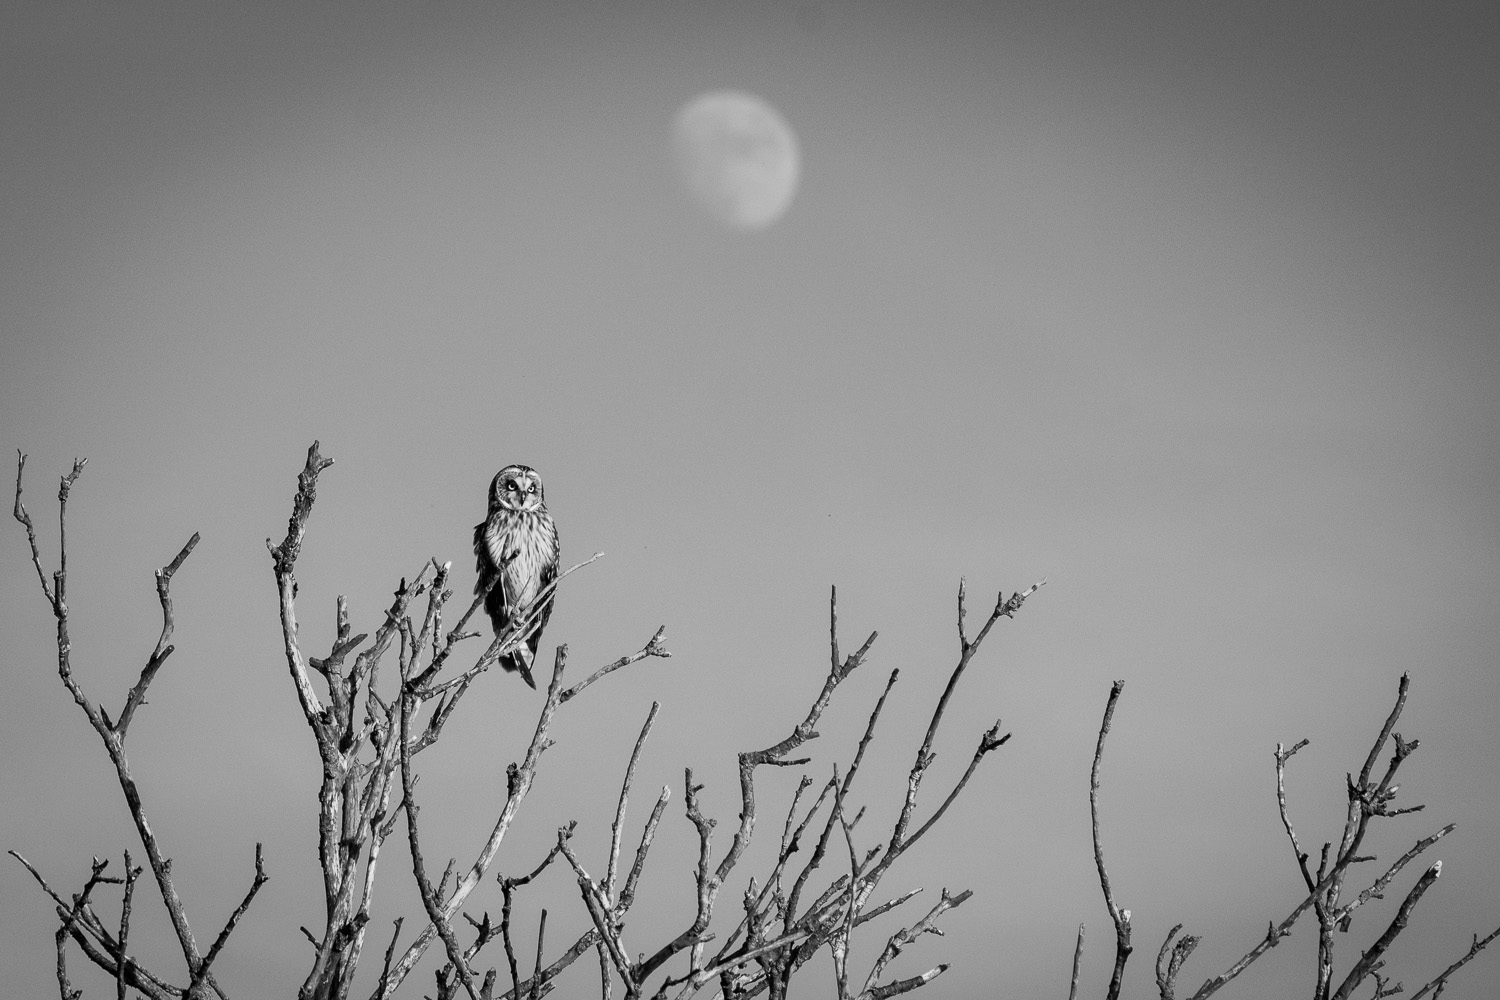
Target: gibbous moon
x,y
738,158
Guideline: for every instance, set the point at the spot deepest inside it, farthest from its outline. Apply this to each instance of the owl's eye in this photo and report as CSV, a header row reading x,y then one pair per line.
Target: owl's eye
x,y
531,489
510,487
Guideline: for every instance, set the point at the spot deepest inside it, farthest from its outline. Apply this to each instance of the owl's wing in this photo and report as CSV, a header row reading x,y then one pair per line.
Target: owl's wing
x,y
545,577
496,600
483,569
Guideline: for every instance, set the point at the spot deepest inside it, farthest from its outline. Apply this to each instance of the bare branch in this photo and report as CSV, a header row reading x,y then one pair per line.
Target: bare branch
x,y
234,918
708,885
1274,934
80,903
1282,756
113,744
285,554
990,740
137,696
20,514
1169,961
541,937
1378,886
1004,608
904,937
520,778
1120,916
430,900
842,790
1371,959
89,933
1474,949
653,647
627,894
284,559
1077,964
615,828
904,985
122,960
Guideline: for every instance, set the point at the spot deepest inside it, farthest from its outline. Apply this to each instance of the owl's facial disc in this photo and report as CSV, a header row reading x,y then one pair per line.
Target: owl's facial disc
x,y
518,488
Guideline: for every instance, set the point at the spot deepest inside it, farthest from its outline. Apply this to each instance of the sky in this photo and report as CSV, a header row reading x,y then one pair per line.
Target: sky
x,y
1188,309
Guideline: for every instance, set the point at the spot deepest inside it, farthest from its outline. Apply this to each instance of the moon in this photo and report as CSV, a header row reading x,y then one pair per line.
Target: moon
x,y
738,158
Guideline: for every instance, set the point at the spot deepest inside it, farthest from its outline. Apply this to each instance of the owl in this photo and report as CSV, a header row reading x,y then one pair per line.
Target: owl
x,y
516,548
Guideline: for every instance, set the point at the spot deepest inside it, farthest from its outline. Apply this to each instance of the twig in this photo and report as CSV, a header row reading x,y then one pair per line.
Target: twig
x,y
20,513
122,960
1077,964
234,918
137,696
1282,756
1474,949
615,828
80,903
390,949
1120,916
627,894
654,647
541,937
1004,608
990,740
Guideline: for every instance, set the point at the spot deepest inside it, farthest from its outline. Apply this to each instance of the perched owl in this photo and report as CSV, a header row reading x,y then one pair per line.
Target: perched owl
x,y
516,546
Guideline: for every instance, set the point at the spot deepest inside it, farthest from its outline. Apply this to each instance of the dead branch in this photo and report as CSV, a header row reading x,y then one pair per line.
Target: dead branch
x,y
1121,917
1368,798
430,900
1169,961
905,936
367,742
1474,949
112,735
234,918
1077,964
137,696
519,781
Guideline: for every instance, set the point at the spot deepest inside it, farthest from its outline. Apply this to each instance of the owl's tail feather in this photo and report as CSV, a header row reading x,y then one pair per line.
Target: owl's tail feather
x,y
519,661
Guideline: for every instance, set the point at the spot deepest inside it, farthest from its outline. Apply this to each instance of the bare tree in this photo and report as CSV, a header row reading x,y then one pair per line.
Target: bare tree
x,y
806,900
1370,797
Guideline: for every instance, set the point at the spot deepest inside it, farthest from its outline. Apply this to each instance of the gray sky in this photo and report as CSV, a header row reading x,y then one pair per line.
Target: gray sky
x,y
1190,309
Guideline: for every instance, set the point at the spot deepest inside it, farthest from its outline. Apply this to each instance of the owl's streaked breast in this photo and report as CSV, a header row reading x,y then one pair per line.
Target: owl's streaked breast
x,y
521,542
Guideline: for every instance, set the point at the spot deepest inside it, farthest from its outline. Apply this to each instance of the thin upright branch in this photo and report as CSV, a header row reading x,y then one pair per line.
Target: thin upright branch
x,y
617,826
1077,964
20,513
122,959
1121,917
1282,756
234,918
164,649
430,901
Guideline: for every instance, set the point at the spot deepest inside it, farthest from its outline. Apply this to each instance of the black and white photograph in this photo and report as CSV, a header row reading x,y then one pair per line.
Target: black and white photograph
x,y
803,499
